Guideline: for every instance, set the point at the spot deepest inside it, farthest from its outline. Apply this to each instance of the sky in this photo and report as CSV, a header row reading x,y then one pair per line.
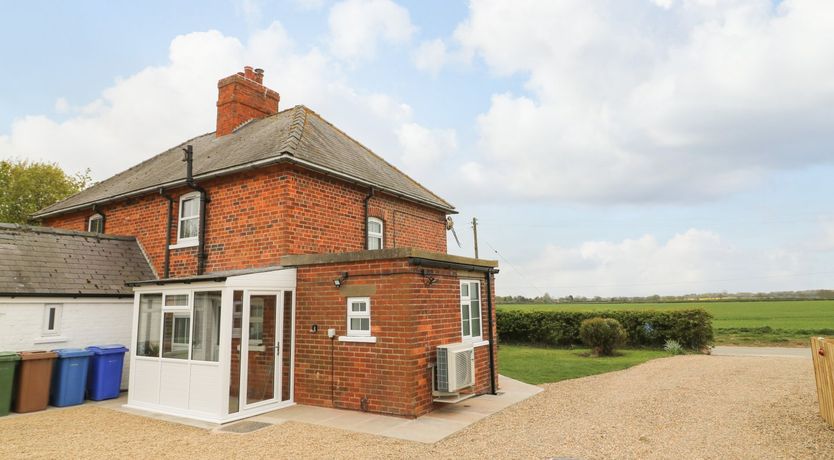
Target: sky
x,y
609,148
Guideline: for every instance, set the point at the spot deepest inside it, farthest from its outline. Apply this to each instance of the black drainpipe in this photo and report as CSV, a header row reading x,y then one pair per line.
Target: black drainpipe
x,y
488,276
367,199
167,261
103,218
188,158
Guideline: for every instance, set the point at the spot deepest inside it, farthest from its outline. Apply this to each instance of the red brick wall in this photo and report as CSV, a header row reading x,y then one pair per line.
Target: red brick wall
x,y
257,216
327,215
408,318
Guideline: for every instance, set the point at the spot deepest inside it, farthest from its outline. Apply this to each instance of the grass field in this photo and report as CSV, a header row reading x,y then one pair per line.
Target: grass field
x,y
739,323
543,365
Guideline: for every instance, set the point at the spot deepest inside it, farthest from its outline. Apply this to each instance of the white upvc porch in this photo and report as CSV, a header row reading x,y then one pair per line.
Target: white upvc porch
x,y
216,348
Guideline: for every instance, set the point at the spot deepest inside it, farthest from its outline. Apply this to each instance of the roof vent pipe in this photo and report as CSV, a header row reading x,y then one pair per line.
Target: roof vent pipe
x,y
188,158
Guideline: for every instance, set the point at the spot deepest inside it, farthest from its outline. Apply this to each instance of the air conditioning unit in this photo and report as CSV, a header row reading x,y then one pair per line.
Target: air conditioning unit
x,y
455,367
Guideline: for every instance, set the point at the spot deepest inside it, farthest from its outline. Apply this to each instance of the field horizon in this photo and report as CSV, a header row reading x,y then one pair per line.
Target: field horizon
x,y
747,322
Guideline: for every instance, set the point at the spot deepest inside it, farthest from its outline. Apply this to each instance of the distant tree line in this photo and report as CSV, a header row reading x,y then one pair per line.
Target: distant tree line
x,y
817,294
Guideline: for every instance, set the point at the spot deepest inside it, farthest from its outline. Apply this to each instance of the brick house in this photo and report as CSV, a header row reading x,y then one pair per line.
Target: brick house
x,y
291,265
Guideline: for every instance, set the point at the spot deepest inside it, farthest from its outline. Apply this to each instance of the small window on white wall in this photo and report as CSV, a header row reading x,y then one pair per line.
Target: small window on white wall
x,y
52,319
359,316
96,224
189,219
375,233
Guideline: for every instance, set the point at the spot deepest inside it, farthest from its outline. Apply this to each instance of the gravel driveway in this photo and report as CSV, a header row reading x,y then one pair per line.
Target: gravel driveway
x,y
681,407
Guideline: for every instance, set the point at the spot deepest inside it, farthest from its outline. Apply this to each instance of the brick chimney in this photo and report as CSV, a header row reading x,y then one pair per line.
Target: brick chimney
x,y
242,97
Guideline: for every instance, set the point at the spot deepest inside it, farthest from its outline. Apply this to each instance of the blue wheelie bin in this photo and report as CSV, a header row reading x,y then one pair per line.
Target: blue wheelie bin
x,y
69,377
105,378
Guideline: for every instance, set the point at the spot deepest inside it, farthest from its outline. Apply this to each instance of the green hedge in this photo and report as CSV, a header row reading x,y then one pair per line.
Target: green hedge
x,y
646,328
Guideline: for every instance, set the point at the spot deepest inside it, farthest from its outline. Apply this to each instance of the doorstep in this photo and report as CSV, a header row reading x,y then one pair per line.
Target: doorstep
x,y
429,428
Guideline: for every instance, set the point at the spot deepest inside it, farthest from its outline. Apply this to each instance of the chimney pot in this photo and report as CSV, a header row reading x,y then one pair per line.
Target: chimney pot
x,y
242,97
248,73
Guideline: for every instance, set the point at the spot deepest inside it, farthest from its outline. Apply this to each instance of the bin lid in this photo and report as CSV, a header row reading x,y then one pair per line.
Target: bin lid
x,y
107,349
72,352
8,356
37,354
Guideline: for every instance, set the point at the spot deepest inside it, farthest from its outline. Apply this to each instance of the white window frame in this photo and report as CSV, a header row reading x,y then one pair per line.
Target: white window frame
x,y
46,331
178,317
92,218
181,311
358,315
376,235
256,344
467,300
194,240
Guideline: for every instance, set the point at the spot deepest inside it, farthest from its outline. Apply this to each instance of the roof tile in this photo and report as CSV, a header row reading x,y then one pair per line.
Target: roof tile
x,y
295,135
43,260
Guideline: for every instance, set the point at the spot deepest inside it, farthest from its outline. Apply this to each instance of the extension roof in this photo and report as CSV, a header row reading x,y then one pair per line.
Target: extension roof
x,y
297,135
52,262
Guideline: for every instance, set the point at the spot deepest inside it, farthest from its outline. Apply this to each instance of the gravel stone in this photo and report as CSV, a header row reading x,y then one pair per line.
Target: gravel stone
x,y
680,407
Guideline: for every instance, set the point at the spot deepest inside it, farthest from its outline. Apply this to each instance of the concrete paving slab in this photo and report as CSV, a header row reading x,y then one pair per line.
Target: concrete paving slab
x,y
429,428
767,352
425,429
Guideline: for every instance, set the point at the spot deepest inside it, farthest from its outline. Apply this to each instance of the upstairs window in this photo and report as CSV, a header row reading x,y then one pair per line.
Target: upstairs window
x,y
189,219
96,224
375,239
470,310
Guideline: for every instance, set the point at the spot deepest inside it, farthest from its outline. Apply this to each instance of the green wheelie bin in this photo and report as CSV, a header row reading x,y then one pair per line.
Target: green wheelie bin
x,y
8,364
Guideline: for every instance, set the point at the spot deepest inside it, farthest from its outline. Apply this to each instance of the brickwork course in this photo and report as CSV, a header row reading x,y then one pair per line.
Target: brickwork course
x,y
283,183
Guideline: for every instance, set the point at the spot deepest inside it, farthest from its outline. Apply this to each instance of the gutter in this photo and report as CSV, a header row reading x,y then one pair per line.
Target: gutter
x,y
419,261
188,158
283,158
367,245
488,278
162,282
64,294
166,264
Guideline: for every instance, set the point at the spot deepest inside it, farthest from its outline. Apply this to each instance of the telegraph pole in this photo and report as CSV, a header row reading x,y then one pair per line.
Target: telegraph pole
x,y
475,232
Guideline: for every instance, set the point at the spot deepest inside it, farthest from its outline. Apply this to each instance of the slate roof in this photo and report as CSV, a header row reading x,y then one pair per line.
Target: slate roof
x,y
49,261
296,135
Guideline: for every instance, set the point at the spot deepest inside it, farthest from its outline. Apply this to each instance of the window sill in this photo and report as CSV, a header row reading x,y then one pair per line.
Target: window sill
x,y
52,339
184,244
347,338
476,342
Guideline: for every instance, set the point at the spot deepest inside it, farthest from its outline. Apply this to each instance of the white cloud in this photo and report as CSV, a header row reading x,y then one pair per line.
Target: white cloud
x,y
309,5
431,56
425,148
250,10
665,4
628,102
356,26
159,107
62,105
692,261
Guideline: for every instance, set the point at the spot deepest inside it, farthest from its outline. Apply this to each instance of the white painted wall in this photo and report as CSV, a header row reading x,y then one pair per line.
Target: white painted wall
x,y
83,322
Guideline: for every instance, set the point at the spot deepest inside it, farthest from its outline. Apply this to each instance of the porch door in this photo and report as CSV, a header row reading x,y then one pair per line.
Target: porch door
x,y
262,348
